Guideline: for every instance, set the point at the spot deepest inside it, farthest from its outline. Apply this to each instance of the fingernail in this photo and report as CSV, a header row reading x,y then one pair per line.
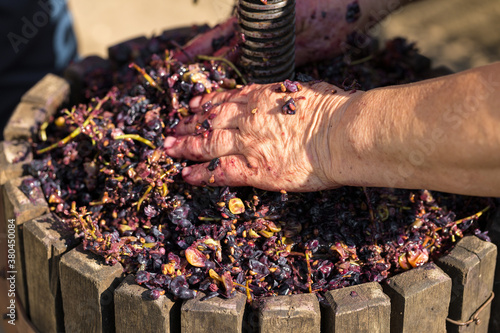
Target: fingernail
x,y
186,171
169,142
195,102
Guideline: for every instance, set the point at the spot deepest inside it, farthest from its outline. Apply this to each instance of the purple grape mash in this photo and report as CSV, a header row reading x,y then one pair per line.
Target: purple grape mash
x,y
105,174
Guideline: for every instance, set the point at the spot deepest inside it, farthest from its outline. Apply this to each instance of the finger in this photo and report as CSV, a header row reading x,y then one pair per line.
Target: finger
x,y
231,171
224,116
199,148
202,44
205,103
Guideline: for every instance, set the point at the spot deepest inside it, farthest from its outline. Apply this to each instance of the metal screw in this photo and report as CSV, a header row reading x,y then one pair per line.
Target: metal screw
x,y
268,52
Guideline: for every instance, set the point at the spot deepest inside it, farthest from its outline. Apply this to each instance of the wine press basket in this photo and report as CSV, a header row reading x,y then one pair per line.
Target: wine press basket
x,y
63,288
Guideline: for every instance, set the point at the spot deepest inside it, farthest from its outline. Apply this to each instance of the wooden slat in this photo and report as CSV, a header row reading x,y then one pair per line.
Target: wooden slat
x,y
295,313
51,91
494,233
87,287
361,308
20,208
46,241
24,121
419,300
10,152
471,265
213,315
136,312
37,104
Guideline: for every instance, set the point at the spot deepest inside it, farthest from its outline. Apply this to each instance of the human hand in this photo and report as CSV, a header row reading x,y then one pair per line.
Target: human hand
x,y
258,145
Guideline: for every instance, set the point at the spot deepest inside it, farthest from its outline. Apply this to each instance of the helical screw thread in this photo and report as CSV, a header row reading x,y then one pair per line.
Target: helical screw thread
x,y
268,52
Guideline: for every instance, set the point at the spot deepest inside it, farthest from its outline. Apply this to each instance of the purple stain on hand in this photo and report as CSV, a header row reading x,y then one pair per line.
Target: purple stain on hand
x,y
353,12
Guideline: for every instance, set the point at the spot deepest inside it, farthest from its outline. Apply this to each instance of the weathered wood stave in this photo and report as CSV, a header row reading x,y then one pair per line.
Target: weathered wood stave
x,y
111,298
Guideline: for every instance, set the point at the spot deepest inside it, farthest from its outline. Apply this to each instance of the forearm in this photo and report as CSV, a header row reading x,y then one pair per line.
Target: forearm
x,y
441,134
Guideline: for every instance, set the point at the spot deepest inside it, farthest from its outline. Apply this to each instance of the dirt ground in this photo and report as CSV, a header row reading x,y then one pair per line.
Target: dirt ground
x,y
460,34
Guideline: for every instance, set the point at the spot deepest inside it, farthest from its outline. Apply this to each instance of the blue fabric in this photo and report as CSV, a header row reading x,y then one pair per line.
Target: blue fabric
x,y
36,38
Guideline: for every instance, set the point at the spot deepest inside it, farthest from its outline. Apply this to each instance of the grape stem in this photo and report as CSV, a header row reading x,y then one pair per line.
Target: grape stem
x,y
309,272
206,218
474,216
227,62
144,196
136,137
248,290
360,61
77,131
147,77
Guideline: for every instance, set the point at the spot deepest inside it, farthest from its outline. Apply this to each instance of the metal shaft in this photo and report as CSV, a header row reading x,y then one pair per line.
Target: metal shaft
x,y
268,53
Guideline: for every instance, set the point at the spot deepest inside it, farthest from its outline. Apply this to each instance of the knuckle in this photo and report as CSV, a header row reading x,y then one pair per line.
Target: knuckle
x,y
195,147
213,142
239,142
207,146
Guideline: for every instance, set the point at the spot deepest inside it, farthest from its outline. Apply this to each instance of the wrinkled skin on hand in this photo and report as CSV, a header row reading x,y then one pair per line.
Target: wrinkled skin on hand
x,y
321,28
258,144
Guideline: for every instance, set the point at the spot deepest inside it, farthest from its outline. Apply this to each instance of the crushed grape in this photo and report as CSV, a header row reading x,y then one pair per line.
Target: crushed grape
x,y
353,12
105,173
